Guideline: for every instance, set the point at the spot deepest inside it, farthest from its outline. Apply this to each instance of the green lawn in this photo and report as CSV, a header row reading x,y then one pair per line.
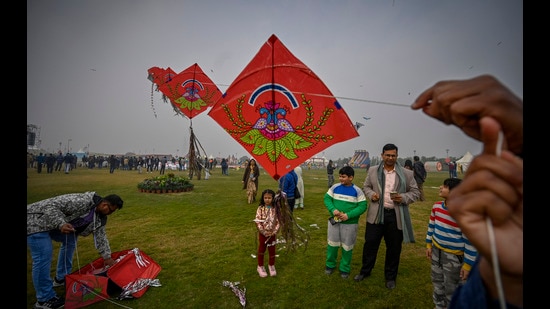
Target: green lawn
x,y
203,237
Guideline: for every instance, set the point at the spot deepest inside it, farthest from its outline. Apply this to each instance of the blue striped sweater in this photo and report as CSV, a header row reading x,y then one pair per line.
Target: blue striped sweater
x,y
445,234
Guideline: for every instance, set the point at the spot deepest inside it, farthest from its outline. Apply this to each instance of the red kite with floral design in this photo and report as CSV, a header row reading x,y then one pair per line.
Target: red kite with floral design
x,y
191,91
280,111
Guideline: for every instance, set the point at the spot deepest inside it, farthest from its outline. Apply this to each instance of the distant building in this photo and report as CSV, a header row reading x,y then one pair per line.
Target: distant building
x,y
360,159
33,137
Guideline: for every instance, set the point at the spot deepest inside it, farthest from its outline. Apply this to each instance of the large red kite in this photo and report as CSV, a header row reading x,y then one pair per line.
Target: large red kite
x,y
280,111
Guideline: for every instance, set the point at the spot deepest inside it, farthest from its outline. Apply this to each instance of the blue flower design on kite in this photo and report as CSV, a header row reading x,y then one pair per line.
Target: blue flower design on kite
x,y
273,135
272,127
191,94
191,98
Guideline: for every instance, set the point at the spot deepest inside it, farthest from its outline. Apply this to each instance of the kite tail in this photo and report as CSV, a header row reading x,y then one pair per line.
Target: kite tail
x,y
292,233
240,293
152,101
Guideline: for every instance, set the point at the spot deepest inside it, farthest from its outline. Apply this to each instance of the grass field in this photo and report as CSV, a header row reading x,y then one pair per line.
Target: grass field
x,y
203,237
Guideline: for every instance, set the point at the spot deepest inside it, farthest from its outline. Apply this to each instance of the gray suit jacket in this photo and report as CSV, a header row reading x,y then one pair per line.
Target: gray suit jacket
x,y
371,186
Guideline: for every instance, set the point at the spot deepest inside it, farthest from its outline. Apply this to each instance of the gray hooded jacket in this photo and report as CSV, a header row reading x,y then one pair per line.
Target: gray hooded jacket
x,y
51,214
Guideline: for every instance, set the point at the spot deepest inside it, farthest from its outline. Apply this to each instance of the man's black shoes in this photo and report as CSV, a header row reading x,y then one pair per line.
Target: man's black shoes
x,y
360,277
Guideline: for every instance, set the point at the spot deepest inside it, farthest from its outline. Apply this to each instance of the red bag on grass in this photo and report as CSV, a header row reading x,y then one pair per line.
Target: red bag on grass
x,y
130,277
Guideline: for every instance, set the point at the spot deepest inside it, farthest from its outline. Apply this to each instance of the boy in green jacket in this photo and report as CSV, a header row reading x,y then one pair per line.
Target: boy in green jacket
x,y
345,203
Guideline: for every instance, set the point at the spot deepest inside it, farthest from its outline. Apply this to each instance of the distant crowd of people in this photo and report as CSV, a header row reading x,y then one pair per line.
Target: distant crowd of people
x,y
59,162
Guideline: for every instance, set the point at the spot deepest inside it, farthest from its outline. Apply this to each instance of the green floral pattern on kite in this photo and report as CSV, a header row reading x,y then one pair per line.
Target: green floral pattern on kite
x,y
273,135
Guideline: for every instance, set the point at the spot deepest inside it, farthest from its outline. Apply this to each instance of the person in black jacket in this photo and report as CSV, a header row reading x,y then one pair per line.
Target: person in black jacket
x,y
419,175
50,161
330,173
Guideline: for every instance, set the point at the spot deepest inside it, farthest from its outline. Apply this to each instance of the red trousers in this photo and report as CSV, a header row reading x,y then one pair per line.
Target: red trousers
x,y
269,244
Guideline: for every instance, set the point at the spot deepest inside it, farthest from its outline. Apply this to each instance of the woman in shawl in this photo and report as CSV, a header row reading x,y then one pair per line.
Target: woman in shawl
x,y
250,180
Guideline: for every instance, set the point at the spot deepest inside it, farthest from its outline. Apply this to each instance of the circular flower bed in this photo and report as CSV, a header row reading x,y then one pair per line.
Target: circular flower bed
x,y
168,183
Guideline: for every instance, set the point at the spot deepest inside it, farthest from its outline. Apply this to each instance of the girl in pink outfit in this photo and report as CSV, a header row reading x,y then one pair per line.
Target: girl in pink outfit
x,y
268,224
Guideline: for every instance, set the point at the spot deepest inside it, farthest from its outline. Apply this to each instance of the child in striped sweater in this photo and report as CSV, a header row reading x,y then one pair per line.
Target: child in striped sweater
x,y
448,249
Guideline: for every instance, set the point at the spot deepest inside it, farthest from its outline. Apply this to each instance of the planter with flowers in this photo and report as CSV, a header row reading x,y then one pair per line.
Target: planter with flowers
x,y
165,183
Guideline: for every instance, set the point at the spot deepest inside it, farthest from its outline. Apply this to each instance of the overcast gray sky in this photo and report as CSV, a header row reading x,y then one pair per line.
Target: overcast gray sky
x,y
87,65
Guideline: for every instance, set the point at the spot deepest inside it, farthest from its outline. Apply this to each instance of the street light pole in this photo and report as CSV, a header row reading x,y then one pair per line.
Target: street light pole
x,y
447,152
68,145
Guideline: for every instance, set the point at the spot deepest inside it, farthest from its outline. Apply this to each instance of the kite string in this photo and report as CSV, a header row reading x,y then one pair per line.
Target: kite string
x,y
343,98
361,100
76,251
492,240
92,291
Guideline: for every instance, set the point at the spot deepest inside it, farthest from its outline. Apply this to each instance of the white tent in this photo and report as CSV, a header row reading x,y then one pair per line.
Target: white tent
x,y
464,162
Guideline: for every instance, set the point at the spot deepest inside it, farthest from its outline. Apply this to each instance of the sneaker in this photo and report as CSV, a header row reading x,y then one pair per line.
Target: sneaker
x,y
262,272
272,271
57,283
344,275
53,303
329,270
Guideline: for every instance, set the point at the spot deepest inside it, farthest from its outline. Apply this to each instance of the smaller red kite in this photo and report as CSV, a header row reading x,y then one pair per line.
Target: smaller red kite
x,y
191,91
130,277
160,76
